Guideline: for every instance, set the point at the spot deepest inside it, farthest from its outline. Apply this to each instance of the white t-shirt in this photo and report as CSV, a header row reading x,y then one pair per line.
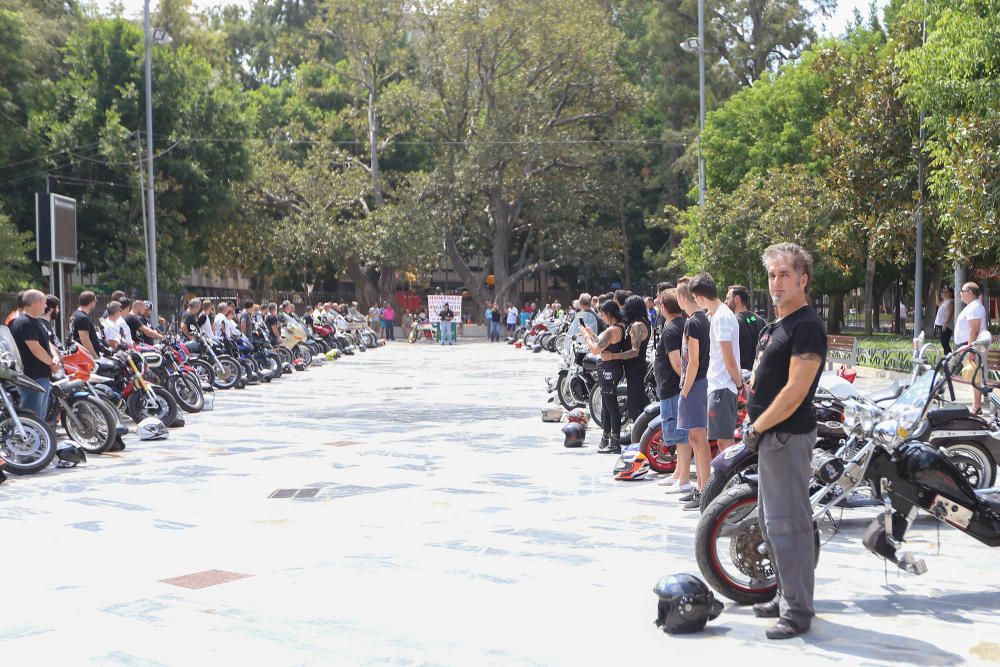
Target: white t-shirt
x,y
220,324
207,328
512,315
972,311
113,331
941,319
724,327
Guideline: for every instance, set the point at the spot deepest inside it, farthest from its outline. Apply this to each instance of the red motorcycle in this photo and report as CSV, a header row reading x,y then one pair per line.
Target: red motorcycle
x,y
421,331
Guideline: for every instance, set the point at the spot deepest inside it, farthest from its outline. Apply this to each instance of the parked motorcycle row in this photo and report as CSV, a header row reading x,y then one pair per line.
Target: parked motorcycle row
x,y
151,386
906,449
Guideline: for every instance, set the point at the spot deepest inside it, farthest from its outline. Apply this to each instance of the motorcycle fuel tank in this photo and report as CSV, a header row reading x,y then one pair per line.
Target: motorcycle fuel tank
x,y
928,468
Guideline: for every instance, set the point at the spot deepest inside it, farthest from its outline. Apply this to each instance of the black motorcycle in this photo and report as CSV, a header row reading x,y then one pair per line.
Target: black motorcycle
x,y
888,461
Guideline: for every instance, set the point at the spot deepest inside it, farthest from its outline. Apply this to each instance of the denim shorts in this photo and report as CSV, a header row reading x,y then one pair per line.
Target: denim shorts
x,y
668,416
692,412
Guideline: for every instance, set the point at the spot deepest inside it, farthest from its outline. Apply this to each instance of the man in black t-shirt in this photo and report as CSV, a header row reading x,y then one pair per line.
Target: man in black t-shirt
x,y
189,321
738,298
32,339
82,327
692,409
667,370
271,323
781,425
138,326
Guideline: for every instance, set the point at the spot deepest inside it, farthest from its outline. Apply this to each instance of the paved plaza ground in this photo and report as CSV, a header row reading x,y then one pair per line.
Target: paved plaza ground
x,y
441,523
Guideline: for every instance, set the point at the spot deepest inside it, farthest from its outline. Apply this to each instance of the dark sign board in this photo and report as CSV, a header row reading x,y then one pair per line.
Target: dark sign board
x,y
55,228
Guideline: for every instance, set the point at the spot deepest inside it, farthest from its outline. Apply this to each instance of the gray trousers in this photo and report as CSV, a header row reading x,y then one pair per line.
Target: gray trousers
x,y
784,468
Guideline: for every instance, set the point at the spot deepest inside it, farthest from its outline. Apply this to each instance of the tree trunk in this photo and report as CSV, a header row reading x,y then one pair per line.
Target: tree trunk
x,y
932,287
365,292
870,306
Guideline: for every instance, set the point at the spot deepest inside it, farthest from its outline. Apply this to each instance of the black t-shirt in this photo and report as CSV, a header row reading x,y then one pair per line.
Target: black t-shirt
x,y
498,316
271,321
668,382
190,321
245,320
802,332
697,327
447,315
134,322
81,322
750,327
24,329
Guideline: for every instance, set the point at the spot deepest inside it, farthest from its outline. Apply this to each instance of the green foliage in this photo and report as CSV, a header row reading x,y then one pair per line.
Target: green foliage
x,y
14,248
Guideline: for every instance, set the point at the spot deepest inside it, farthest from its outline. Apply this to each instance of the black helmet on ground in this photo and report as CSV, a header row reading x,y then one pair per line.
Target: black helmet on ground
x,y
69,455
686,604
575,432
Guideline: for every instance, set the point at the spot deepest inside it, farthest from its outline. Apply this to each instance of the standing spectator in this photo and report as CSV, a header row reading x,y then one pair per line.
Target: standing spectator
x,y
781,426
447,317
488,315
113,327
51,314
189,321
496,323
32,339
375,320
526,316
586,316
633,356
272,325
692,408
667,370
206,320
245,318
407,323
18,309
389,319
738,300
651,309
609,372
725,379
969,324
944,318
82,327
221,318
511,319
139,326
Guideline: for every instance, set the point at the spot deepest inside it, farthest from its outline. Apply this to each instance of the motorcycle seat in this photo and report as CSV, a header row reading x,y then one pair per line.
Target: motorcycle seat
x,y
893,391
193,346
943,415
590,362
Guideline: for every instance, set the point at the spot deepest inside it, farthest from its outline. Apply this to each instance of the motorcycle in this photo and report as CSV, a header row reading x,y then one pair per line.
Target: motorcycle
x,y
165,365
887,463
227,372
27,442
576,377
421,331
87,420
132,391
966,438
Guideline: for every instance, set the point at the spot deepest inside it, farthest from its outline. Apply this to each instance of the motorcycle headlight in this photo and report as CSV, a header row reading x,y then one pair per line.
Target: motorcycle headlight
x,y
886,430
867,417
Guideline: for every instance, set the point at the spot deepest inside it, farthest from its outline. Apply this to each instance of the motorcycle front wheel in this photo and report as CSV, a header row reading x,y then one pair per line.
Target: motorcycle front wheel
x,y
729,547
304,353
165,407
186,390
413,335
595,403
31,454
93,428
565,393
204,370
230,374
661,456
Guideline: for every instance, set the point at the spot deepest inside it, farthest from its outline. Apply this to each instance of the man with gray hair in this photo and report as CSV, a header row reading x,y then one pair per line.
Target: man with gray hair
x,y
32,339
781,426
189,322
586,316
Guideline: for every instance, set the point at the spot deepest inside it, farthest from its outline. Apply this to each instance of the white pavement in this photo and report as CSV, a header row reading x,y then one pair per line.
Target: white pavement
x,y
448,527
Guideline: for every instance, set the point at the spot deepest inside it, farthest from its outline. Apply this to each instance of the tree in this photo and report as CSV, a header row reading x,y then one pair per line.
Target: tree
x,y
519,96
14,248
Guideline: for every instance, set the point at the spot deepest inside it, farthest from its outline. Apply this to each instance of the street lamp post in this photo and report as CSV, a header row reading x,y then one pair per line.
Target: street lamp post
x,y
160,37
697,45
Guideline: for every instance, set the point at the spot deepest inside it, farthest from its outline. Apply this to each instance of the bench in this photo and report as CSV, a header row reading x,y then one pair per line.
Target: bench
x,y
993,367
841,350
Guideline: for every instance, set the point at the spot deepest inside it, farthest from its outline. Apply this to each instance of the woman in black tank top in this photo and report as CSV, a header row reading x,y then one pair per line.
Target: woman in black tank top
x,y
609,372
634,354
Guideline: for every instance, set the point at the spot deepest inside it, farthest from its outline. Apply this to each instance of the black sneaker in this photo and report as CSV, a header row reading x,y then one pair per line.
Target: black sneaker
x,y
686,498
605,446
693,505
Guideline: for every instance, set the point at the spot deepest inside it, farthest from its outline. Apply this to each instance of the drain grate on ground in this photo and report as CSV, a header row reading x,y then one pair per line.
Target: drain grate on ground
x,y
294,493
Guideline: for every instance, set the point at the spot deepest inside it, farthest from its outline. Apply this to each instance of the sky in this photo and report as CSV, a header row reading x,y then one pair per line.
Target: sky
x,y
833,26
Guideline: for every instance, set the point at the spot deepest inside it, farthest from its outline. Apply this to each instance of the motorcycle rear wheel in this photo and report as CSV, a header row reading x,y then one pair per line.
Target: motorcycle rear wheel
x,y
662,457
974,462
204,370
166,410
304,353
231,374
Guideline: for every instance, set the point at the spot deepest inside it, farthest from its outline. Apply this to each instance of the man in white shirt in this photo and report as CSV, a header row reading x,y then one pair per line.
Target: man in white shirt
x,y
220,320
725,379
511,318
116,333
969,324
945,317
585,313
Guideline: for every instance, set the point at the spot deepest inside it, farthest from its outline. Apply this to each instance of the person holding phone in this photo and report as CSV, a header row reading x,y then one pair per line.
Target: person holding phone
x,y
585,317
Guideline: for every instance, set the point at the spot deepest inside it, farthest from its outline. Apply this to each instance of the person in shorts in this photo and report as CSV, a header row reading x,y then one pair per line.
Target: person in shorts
x,y
725,378
692,408
667,370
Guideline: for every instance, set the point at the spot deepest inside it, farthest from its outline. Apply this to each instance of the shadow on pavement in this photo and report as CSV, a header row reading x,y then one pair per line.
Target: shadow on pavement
x,y
871,645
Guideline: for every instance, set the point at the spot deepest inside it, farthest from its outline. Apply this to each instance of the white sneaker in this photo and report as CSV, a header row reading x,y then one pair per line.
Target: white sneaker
x,y
669,480
681,488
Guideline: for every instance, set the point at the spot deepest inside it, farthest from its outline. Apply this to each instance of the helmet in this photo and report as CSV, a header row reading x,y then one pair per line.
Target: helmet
x,y
578,415
209,401
552,413
632,464
69,455
151,428
686,604
331,355
575,433
518,344
537,348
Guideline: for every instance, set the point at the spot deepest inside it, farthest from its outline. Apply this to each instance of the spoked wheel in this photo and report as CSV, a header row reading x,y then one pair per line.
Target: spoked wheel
x,y
731,551
272,362
566,394
284,354
229,375
162,406
974,462
33,452
92,424
413,335
595,404
304,353
204,370
186,390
